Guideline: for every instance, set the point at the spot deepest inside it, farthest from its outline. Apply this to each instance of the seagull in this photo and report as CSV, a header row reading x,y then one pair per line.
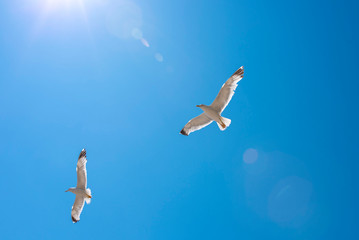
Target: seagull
x,y
213,112
82,194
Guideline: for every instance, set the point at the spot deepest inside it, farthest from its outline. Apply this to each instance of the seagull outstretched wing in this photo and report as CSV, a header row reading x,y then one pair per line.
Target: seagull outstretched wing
x,y
81,170
195,124
77,208
225,94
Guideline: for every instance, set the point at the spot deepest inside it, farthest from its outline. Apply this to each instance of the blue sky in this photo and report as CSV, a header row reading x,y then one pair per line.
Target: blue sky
x,y
121,78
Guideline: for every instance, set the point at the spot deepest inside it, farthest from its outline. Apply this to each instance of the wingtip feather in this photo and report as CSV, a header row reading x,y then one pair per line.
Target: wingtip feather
x,y
183,132
74,220
83,153
240,71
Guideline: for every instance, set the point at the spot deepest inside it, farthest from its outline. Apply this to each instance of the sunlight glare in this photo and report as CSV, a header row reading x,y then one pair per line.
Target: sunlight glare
x,y
58,4
47,9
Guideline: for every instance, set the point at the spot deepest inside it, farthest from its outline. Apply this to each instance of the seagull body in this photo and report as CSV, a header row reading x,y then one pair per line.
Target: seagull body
x,y
213,112
86,193
82,194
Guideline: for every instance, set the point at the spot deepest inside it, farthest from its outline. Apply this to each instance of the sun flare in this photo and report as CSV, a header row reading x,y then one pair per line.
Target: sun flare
x,y
47,9
62,4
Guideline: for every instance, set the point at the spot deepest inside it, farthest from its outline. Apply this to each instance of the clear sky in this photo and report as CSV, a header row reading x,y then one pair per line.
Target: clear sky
x,y
121,79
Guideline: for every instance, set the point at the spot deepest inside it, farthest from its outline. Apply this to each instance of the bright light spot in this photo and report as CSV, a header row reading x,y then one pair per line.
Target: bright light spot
x,y
137,34
51,5
144,42
250,156
53,9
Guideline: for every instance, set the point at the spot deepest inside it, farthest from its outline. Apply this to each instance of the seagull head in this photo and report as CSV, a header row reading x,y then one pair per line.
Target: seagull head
x,y
201,105
70,190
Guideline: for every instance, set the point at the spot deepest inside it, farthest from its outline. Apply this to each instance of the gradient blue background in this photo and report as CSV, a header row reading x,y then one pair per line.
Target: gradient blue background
x,y
74,77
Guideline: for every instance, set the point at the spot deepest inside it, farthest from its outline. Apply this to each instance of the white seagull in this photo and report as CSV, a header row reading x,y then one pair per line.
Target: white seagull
x,y
82,194
213,111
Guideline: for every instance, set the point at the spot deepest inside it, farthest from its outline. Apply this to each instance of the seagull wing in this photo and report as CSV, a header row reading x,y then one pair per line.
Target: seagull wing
x,y
195,124
225,94
77,208
81,170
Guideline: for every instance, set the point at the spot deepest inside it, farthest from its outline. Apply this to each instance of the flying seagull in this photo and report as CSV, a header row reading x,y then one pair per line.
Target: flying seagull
x,y
82,194
213,111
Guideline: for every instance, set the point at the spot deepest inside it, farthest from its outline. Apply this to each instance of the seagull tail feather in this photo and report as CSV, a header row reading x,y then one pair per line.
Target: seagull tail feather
x,y
225,122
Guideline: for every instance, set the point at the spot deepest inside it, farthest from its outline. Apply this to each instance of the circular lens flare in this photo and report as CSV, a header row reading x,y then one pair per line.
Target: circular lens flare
x,y
250,156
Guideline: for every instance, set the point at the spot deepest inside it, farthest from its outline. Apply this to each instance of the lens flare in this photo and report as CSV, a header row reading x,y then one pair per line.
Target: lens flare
x,y
159,57
250,156
145,42
124,20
